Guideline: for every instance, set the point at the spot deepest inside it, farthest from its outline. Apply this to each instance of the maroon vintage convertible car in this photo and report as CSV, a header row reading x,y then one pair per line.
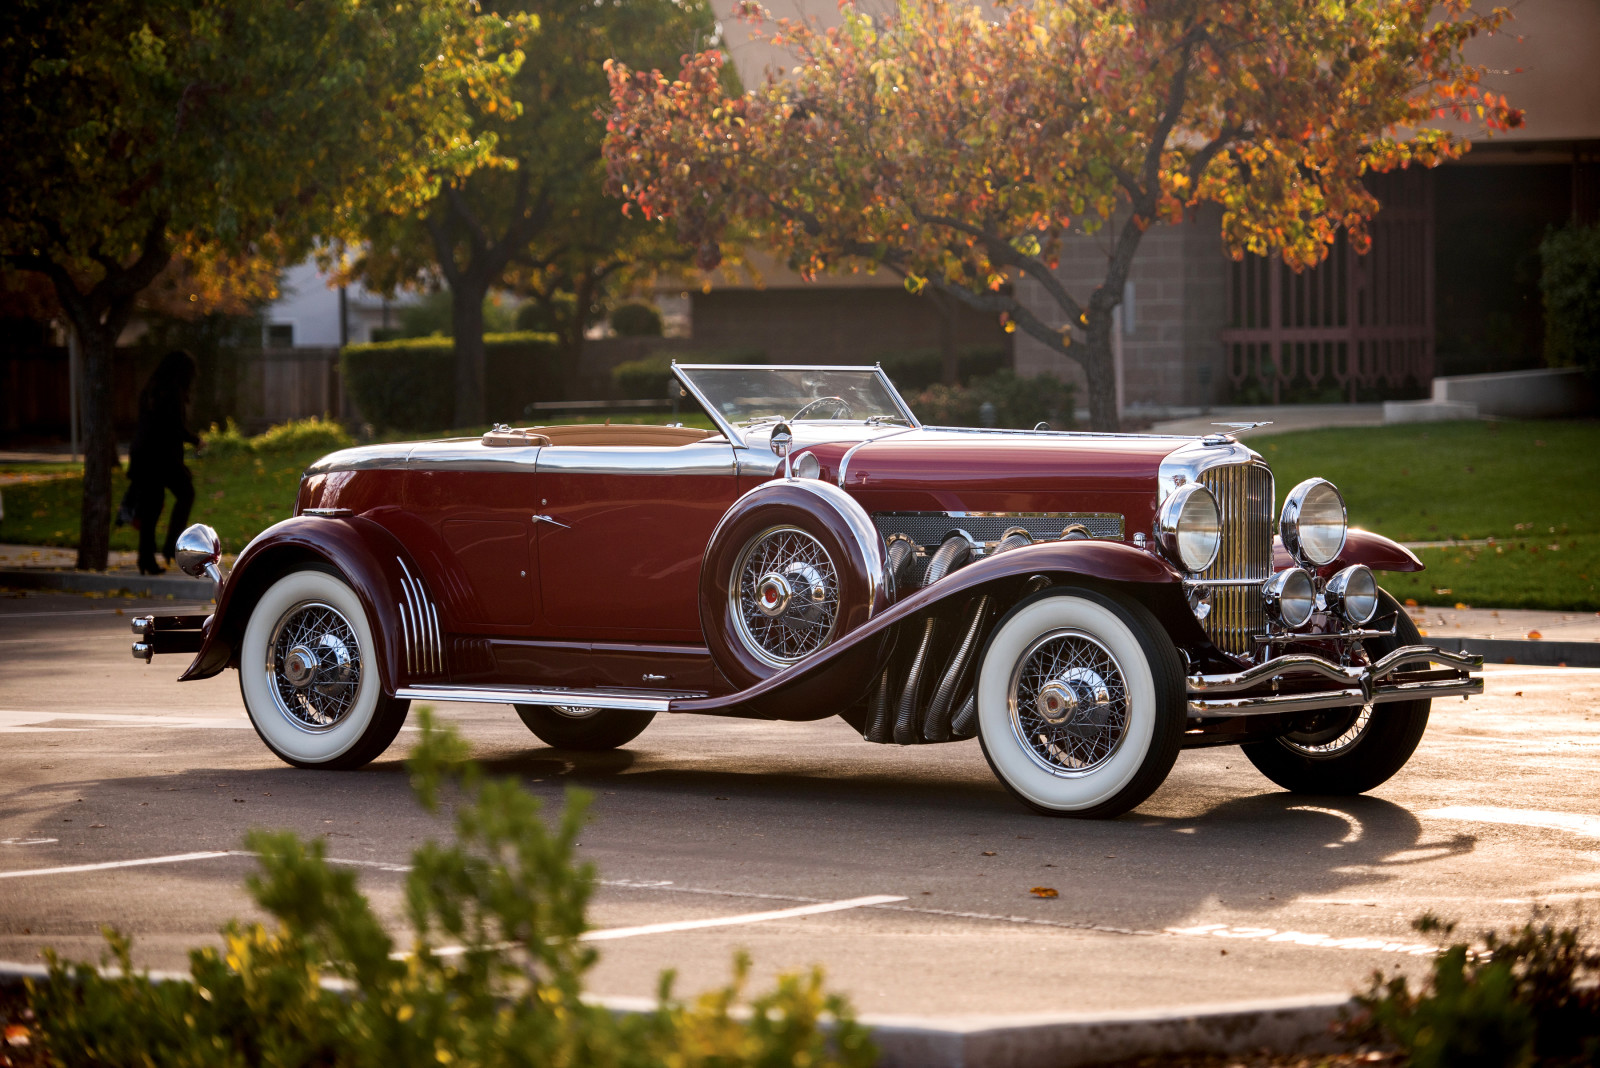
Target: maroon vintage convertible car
x,y
1086,605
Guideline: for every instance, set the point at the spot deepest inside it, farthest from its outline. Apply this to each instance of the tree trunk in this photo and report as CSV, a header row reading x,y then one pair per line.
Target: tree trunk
x,y
97,344
1099,364
949,359
466,320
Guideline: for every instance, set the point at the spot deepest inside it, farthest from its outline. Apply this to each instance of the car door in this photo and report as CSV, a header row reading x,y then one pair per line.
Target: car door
x,y
621,533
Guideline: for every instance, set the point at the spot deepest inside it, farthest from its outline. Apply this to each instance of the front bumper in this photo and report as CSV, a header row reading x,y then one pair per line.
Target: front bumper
x,y
1301,682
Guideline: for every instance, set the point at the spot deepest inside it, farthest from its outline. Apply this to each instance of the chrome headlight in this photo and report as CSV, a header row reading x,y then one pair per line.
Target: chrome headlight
x,y
1189,527
807,466
1313,522
1290,597
1353,593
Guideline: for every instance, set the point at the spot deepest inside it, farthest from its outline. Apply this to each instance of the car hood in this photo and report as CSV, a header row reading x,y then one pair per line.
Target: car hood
x,y
957,471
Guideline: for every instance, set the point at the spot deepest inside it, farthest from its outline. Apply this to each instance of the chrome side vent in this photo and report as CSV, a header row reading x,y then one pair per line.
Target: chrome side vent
x,y
1244,492
419,619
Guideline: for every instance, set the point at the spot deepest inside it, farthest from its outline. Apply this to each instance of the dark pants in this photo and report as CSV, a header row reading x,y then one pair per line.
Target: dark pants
x,y
149,493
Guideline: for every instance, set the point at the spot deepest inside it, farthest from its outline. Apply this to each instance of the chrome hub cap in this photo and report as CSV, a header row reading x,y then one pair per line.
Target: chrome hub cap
x,y
314,662
1069,703
785,596
773,595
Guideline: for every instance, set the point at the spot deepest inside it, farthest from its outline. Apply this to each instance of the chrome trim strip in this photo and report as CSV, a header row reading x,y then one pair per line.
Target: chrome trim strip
x,y
1057,433
642,700
705,402
424,647
844,461
329,513
709,457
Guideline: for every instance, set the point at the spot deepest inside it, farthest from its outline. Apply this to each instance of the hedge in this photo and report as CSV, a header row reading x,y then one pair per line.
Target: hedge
x,y
914,370
409,384
646,378
1017,403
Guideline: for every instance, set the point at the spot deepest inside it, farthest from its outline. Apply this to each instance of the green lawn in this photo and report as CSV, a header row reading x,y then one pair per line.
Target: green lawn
x,y
1532,487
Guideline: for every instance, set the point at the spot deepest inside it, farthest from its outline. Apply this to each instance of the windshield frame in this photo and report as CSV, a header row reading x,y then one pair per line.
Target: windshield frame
x,y
683,372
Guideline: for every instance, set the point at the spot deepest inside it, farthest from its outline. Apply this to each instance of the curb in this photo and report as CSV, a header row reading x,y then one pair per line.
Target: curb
x,y
1517,651
179,585
1045,1040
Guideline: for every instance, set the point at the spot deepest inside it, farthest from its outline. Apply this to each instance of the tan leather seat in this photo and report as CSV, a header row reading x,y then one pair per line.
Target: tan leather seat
x,y
620,434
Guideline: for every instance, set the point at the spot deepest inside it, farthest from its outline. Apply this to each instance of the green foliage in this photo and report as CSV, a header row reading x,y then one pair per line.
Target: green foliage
x,y
913,370
507,896
636,320
299,436
409,384
1530,999
646,378
1571,285
1018,402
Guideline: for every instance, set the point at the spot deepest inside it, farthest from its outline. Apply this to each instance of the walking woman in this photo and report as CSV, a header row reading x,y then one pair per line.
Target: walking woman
x,y
155,461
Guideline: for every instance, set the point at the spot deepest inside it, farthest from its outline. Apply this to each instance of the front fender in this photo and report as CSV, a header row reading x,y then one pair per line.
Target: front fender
x,y
1360,547
841,672
364,553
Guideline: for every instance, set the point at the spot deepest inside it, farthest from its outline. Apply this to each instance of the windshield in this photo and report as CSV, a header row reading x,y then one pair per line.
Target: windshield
x,y
746,394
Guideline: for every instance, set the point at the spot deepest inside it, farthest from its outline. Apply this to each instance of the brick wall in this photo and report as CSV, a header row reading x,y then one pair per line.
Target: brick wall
x,y
831,324
1179,299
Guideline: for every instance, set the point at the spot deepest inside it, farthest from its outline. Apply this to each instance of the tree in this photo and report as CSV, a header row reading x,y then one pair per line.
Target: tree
x,y
958,151
540,222
217,130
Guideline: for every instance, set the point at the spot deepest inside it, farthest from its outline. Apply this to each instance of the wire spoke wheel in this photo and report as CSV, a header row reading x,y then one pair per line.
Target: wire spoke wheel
x,y
1069,703
786,596
314,662
1330,736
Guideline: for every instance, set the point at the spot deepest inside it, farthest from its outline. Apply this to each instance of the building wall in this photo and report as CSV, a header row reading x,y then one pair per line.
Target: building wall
x,y
1170,332
309,306
823,324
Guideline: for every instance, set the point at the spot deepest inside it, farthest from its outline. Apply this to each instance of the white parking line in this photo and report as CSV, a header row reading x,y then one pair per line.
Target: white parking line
x,y
1522,817
730,921
175,858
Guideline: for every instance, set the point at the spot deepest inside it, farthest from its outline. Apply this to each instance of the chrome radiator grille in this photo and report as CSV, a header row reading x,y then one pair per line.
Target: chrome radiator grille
x,y
1245,494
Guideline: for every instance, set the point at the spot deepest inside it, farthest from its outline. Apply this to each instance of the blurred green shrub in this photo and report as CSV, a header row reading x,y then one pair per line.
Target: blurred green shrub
x,y
409,384
1527,999
301,435
646,378
1570,280
1014,402
636,320
914,370
509,896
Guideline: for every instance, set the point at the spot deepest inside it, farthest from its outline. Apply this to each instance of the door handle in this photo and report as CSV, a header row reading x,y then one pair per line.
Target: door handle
x,y
553,522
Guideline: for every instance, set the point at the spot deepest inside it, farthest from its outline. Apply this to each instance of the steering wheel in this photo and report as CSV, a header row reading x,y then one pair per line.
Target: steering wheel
x,y
842,406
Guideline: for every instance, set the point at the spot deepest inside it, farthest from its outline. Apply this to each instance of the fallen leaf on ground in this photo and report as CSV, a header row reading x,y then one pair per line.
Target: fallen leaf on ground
x,y
988,852
1043,891
1534,635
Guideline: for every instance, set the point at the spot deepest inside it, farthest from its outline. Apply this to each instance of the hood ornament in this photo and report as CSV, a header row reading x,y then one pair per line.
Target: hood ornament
x,y
1236,429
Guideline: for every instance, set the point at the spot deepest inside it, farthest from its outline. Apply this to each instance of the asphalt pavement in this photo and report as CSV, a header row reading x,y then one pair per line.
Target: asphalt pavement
x,y
906,873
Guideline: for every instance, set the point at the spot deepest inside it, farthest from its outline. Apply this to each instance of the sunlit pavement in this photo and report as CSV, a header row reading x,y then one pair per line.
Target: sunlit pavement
x,y
905,872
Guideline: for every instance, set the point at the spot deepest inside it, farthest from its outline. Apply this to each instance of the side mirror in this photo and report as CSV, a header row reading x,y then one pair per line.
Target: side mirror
x,y
782,437
200,553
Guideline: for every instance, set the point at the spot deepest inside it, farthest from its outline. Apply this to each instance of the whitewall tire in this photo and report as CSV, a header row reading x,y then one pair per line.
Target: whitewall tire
x,y
1080,703
308,670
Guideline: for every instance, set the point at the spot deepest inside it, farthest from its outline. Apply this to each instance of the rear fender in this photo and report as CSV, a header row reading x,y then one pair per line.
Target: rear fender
x,y
1360,547
839,674
366,555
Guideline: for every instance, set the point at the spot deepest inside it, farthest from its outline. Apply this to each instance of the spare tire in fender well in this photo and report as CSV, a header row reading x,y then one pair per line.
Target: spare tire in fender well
x,y
826,515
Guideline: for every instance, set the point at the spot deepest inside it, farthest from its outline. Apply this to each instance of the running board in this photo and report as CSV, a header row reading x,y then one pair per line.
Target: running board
x,y
639,700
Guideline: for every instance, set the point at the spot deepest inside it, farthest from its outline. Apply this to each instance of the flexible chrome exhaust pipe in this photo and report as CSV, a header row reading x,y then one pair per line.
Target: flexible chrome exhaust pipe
x,y
880,727
939,723
956,550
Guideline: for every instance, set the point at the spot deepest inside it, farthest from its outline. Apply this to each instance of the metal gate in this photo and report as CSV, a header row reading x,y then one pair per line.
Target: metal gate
x,y
1347,325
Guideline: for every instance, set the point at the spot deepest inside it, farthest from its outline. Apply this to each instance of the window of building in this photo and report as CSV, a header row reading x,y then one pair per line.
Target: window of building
x,y
280,335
